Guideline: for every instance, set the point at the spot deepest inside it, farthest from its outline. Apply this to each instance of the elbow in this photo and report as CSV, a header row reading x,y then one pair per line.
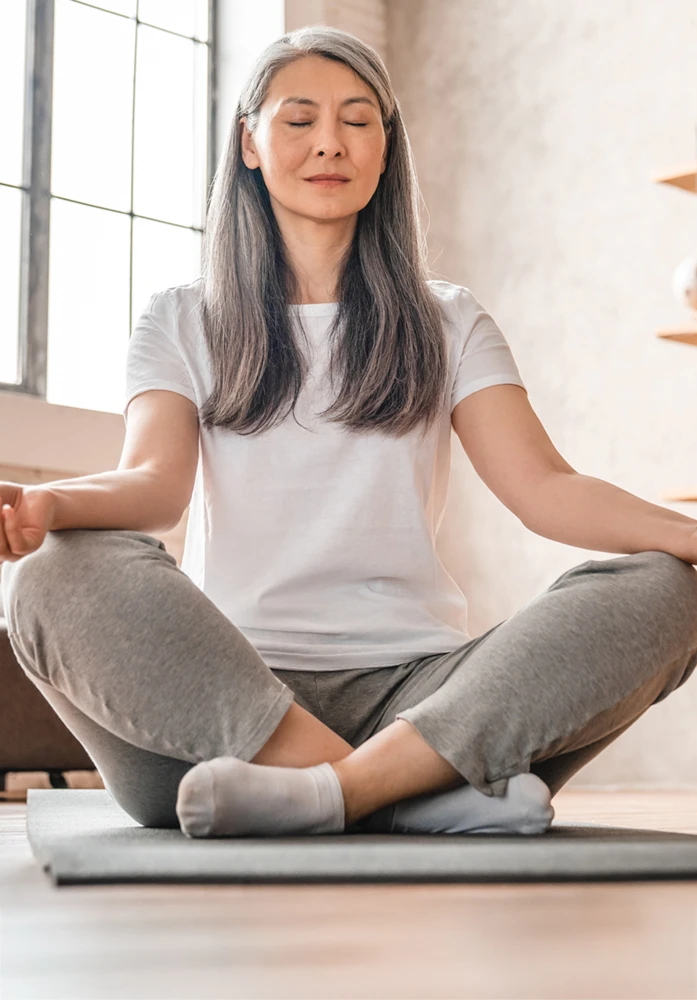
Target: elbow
x,y
523,518
177,519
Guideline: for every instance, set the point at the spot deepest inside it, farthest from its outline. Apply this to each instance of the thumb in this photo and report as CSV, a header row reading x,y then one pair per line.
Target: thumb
x,y
20,541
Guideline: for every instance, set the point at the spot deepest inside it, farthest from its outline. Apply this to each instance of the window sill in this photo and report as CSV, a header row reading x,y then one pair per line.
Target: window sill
x,y
39,435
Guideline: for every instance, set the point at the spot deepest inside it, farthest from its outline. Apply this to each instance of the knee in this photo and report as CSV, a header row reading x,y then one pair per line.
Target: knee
x,y
26,581
676,579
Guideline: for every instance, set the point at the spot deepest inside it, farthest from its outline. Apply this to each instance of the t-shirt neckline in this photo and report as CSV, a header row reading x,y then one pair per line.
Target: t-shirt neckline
x,y
314,308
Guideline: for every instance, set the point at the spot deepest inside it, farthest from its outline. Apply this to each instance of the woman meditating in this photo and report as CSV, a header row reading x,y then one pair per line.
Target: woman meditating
x,y
308,668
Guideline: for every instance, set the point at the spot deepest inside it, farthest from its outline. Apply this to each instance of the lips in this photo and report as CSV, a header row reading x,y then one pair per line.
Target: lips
x,y
333,178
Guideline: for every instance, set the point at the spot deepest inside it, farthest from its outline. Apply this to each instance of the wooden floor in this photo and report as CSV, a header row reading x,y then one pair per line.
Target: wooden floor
x,y
599,940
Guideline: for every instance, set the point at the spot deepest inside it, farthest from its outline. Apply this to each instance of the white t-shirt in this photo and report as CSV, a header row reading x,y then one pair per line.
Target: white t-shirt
x,y
318,544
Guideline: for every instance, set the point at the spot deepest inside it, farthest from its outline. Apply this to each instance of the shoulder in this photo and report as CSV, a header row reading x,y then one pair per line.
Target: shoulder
x,y
176,311
459,306
456,300
180,301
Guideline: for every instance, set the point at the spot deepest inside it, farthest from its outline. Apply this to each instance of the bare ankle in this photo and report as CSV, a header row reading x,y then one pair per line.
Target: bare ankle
x,y
301,740
355,807
393,764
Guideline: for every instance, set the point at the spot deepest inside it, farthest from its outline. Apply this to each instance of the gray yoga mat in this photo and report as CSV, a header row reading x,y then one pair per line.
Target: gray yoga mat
x,y
83,836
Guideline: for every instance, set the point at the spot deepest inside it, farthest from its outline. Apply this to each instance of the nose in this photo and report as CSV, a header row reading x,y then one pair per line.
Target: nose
x,y
328,141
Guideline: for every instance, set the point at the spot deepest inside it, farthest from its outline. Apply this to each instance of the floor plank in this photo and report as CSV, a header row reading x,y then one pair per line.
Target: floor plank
x,y
595,940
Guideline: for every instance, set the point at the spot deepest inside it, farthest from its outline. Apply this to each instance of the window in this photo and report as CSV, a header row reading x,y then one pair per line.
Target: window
x,y
105,169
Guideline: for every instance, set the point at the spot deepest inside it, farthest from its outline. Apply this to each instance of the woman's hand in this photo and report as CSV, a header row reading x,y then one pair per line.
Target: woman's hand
x,y
25,518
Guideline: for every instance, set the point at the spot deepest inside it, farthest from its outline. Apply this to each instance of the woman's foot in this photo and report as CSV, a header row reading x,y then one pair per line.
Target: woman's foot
x,y
229,797
525,808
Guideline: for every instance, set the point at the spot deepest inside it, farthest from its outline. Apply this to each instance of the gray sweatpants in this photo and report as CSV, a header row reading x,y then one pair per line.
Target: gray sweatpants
x,y
151,677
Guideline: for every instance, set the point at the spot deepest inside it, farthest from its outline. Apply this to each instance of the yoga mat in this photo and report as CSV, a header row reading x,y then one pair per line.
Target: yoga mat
x,y
83,836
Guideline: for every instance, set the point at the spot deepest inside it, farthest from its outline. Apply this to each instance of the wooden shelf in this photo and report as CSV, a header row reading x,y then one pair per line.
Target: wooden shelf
x,y
685,178
687,496
682,177
686,334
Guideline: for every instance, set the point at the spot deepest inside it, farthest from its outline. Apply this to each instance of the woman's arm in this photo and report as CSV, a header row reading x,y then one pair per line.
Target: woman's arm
x,y
513,454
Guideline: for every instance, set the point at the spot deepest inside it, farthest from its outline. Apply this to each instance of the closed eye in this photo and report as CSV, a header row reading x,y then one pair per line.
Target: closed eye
x,y
302,124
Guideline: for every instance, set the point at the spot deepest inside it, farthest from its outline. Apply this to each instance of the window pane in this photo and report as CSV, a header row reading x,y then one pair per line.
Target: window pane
x,y
170,128
87,306
92,106
127,7
188,17
10,228
162,256
13,18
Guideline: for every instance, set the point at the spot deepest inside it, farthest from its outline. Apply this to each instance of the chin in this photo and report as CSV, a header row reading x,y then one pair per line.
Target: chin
x,y
328,213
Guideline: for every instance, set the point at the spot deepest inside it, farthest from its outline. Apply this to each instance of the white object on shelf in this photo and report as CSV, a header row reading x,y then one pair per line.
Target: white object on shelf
x,y
685,282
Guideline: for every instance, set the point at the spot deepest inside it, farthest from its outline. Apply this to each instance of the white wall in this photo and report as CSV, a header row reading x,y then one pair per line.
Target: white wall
x,y
365,18
537,127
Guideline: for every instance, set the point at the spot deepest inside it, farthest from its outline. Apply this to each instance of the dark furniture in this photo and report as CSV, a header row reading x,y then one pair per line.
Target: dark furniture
x,y
32,737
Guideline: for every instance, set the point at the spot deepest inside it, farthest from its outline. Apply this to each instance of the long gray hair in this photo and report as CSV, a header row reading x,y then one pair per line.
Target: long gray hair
x,y
392,352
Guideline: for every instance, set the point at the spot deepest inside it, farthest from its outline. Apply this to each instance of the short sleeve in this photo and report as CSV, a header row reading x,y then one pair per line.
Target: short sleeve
x,y
485,358
153,360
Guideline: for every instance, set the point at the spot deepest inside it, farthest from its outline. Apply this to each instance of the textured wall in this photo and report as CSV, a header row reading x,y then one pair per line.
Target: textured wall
x,y
537,127
365,18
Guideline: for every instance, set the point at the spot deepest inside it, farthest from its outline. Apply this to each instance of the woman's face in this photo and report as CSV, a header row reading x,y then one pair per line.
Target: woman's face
x,y
318,117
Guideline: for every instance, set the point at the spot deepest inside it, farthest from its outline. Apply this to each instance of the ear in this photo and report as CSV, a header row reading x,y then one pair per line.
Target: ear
x,y
249,155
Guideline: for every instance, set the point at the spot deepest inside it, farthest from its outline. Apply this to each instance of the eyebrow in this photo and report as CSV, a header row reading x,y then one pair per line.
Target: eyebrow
x,y
314,104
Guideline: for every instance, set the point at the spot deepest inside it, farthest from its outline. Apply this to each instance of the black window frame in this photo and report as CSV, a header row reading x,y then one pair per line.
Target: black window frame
x,y
35,185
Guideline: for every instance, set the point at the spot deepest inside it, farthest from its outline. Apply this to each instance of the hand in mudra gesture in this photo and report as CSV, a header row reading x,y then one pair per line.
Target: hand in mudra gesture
x,y
26,514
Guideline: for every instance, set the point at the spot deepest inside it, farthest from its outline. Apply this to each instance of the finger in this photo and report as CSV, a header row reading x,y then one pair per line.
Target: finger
x,y
13,535
4,543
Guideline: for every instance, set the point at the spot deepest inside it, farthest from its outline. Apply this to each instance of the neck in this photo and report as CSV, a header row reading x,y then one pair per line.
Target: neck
x,y
315,249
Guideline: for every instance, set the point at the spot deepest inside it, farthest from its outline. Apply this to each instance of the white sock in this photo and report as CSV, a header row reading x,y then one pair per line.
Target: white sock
x,y
229,797
525,808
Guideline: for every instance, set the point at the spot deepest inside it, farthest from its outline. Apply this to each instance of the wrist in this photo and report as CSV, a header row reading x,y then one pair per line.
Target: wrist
x,y
50,500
